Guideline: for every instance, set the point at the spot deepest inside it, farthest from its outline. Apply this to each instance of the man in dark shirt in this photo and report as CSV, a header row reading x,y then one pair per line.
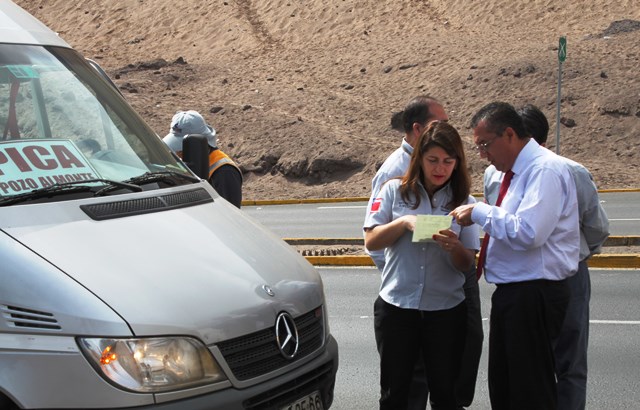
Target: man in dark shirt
x,y
224,174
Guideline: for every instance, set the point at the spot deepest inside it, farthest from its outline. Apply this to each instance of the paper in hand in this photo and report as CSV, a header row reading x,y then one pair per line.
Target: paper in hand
x,y
429,225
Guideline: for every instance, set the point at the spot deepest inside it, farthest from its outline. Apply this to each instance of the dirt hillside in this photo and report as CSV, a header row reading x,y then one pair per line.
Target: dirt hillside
x,y
301,91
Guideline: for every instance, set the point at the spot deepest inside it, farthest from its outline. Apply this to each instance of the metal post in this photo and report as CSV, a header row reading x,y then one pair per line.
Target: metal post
x,y
558,107
562,55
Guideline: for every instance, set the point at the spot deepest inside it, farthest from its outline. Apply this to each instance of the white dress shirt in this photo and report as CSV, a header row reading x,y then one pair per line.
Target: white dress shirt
x,y
535,232
594,224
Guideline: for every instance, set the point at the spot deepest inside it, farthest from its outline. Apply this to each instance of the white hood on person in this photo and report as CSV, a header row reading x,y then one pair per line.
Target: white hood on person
x,y
185,123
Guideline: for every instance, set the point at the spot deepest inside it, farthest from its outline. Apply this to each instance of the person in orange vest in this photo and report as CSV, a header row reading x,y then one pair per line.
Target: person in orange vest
x,y
224,174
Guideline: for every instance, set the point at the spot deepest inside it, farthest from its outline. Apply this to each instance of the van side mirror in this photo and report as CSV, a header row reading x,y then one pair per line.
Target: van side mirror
x,y
195,153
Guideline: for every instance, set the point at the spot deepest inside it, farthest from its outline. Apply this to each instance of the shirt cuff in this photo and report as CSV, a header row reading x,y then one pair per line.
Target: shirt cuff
x,y
480,212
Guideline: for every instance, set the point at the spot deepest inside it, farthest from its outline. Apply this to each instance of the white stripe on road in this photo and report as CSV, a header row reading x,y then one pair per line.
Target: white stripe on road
x,y
624,220
599,322
616,322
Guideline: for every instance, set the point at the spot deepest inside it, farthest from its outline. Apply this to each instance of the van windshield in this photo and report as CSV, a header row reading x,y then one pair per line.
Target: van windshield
x,y
61,122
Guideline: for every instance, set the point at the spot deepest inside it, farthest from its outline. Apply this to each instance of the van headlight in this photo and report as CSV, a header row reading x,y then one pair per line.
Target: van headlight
x,y
151,365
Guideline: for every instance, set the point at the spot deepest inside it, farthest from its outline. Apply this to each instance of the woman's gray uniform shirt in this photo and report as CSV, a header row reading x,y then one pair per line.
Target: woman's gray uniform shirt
x,y
419,275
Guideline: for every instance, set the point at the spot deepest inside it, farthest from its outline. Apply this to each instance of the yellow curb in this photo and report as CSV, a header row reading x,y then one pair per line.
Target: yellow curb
x,y
366,199
626,240
619,190
620,261
351,260
616,261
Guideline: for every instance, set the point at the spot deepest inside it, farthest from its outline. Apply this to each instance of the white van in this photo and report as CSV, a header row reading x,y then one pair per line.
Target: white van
x,y
125,280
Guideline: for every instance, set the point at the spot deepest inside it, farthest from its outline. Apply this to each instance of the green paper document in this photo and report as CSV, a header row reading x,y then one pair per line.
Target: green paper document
x,y
429,225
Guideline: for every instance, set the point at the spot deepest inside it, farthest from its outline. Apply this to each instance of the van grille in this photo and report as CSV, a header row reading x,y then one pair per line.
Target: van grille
x,y
256,354
28,318
119,209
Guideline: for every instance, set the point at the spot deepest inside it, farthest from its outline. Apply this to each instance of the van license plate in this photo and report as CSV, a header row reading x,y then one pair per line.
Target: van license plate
x,y
310,402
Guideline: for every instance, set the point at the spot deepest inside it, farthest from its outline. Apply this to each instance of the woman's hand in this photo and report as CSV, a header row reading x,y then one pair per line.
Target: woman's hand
x,y
409,222
447,239
461,257
383,236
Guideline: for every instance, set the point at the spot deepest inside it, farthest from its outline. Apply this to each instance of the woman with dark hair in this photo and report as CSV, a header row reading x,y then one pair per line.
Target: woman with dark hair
x,y
421,304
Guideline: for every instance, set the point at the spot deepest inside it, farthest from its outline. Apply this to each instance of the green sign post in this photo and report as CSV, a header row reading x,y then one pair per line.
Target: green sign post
x,y
562,56
562,49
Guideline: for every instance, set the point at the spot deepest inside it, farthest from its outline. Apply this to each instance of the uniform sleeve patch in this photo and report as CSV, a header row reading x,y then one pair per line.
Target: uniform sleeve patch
x,y
375,206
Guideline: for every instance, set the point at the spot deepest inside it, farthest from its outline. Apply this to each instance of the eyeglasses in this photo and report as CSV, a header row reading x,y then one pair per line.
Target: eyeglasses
x,y
484,146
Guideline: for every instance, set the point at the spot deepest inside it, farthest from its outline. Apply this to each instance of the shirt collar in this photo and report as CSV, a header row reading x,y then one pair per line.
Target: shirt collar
x,y
406,147
441,196
528,152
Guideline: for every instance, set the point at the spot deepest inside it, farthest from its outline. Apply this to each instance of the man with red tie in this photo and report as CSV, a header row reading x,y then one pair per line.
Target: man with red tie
x,y
571,347
532,247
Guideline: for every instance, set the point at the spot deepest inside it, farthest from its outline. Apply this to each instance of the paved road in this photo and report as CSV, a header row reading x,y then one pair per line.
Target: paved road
x,y
615,326
614,355
344,219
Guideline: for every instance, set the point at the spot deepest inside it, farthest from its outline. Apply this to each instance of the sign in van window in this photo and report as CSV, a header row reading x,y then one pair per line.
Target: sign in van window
x,y
31,164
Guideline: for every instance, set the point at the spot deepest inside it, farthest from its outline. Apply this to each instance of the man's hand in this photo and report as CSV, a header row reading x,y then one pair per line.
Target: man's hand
x,y
462,214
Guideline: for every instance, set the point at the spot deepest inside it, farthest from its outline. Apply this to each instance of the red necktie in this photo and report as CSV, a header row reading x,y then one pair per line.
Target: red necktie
x,y
504,186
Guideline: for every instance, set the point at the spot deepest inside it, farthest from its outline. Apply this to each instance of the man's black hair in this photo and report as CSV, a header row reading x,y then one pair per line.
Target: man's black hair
x,y
535,123
396,121
499,116
417,111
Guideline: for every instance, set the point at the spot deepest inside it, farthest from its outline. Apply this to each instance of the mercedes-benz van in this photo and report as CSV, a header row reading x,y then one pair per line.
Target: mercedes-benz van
x,y
126,281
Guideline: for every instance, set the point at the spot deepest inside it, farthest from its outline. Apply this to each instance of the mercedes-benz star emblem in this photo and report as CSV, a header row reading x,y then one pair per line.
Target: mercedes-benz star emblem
x,y
268,289
287,335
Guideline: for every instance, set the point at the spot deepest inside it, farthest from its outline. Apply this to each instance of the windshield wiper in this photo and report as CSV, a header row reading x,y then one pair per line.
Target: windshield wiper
x,y
161,176
66,188
168,177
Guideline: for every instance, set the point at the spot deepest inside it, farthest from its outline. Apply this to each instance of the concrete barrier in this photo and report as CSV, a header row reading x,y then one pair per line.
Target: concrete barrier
x,y
614,261
627,240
